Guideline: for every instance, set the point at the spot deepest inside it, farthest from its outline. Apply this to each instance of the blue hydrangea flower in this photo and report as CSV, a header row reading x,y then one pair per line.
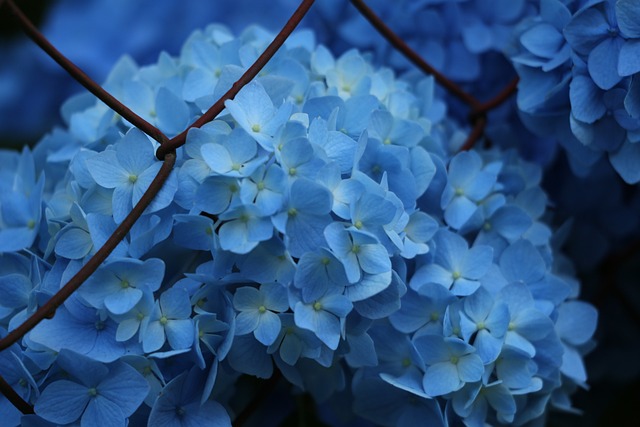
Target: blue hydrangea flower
x,y
257,311
170,321
128,170
119,285
451,363
456,266
95,394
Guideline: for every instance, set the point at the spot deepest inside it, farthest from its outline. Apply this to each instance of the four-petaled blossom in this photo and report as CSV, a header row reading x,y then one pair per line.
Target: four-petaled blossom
x,y
451,363
257,307
128,170
96,394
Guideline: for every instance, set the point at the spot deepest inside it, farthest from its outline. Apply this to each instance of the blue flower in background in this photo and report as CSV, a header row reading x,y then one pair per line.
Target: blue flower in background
x,y
287,234
20,205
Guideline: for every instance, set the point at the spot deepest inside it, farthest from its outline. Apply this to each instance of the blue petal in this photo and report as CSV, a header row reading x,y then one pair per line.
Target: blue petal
x,y
103,412
179,333
74,243
431,273
626,161
441,378
459,211
175,303
476,262
576,322
62,402
172,112
246,322
123,300
522,262
629,62
134,152
628,16
603,63
586,100
586,29
368,286
470,368
268,328
542,40
106,170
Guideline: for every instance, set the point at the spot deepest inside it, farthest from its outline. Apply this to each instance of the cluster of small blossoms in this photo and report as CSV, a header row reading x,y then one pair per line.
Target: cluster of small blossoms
x,y
580,80
322,226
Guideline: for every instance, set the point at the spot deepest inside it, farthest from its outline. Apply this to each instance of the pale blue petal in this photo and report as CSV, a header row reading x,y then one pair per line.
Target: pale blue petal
x,y
179,333
603,63
573,365
628,16
103,412
432,349
476,262
576,322
123,300
134,152
62,402
458,212
172,112
74,243
153,338
217,158
441,378
368,286
464,287
374,259
470,368
268,328
586,99
106,170
247,298
175,303
247,322
431,273
487,346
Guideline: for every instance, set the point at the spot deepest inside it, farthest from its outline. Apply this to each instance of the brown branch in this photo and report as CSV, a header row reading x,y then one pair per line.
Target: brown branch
x,y
497,100
397,42
476,133
83,78
9,392
49,308
254,69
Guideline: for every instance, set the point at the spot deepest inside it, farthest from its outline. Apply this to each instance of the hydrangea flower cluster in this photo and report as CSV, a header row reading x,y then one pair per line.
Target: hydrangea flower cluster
x,y
323,226
584,56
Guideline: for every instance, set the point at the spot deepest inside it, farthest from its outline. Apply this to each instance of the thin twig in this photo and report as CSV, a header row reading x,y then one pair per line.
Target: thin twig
x,y
476,133
254,69
397,42
497,100
83,78
49,308
9,392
